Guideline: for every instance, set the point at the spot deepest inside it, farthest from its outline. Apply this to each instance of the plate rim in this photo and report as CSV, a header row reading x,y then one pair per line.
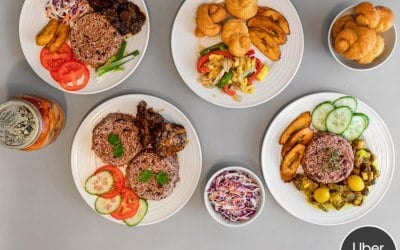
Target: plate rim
x,y
251,104
139,96
264,172
140,58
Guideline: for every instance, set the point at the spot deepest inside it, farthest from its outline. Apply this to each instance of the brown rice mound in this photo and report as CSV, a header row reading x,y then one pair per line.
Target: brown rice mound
x,y
94,40
148,160
122,125
328,158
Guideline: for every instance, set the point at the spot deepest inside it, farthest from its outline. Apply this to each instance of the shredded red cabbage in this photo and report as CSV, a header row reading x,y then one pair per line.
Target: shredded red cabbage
x,y
234,195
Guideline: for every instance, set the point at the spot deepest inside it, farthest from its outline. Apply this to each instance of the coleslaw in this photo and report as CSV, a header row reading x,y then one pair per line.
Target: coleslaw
x,y
234,195
66,10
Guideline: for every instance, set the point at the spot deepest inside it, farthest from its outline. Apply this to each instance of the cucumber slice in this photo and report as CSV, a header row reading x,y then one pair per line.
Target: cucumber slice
x,y
107,205
358,124
365,117
339,119
348,101
138,217
99,183
320,113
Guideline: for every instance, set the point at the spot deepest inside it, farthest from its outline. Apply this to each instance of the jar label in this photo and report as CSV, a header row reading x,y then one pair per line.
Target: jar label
x,y
18,124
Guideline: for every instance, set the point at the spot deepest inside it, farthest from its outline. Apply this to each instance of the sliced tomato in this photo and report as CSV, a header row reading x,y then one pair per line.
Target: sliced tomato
x,y
52,61
129,205
72,75
118,183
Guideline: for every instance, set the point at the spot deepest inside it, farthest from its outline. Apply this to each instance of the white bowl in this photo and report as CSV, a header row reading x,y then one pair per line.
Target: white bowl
x,y
217,216
390,37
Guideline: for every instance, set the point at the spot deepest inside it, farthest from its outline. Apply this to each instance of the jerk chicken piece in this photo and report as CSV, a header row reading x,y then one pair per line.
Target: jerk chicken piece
x,y
122,14
170,139
148,121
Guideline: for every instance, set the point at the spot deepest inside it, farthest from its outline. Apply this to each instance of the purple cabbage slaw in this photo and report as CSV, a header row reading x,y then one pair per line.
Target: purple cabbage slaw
x,y
66,10
234,195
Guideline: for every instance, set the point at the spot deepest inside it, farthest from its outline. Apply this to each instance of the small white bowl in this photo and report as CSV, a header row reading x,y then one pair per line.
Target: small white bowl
x,y
217,216
390,37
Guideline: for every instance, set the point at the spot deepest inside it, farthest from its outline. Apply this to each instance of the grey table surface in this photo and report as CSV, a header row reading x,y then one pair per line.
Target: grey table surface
x,y
41,209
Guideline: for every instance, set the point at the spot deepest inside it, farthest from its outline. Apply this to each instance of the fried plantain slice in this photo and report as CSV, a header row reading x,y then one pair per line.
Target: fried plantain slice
x,y
276,16
301,121
302,136
47,33
270,26
59,38
291,162
265,43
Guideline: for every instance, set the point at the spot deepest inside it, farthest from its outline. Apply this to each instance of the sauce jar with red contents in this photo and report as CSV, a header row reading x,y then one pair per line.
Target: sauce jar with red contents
x,y
30,122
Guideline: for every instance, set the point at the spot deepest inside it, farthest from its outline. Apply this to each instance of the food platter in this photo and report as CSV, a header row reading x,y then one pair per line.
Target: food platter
x,y
377,137
185,46
33,19
84,161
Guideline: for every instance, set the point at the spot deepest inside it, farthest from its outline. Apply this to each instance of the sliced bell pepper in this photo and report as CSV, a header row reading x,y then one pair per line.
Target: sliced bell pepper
x,y
225,79
229,91
259,66
218,46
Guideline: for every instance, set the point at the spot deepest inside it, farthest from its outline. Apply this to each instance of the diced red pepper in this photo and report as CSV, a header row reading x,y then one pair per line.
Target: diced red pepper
x,y
253,76
250,52
229,91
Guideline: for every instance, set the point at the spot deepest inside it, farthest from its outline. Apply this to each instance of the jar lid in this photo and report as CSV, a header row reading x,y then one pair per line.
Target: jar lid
x,y
19,124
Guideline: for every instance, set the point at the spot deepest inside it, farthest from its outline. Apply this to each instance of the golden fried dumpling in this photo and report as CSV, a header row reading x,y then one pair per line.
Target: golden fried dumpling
x,y
242,9
386,19
346,21
355,43
375,52
366,15
236,36
209,18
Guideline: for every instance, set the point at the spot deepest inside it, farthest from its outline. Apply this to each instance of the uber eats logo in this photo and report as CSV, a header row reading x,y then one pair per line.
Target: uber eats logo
x,y
368,238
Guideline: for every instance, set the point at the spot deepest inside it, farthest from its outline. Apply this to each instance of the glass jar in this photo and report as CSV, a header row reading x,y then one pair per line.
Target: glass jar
x,y
30,122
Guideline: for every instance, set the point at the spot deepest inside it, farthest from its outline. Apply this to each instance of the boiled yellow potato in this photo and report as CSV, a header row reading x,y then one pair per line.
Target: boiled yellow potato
x,y
355,183
322,195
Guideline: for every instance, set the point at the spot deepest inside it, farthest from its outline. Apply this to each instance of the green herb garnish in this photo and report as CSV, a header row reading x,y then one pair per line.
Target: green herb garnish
x,y
113,139
118,150
145,175
162,178
332,162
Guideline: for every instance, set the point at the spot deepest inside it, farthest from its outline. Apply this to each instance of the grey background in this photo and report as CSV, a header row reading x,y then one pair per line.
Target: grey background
x,y
40,207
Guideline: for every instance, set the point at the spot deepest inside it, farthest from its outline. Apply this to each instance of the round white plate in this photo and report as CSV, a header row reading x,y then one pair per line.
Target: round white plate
x,y
84,161
33,19
185,47
378,140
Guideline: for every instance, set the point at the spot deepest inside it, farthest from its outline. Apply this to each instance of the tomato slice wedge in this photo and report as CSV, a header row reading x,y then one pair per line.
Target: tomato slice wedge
x,y
52,61
72,75
129,205
118,180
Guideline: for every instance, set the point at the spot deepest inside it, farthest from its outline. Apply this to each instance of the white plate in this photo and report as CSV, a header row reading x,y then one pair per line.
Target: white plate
x,y
185,46
84,161
377,137
33,19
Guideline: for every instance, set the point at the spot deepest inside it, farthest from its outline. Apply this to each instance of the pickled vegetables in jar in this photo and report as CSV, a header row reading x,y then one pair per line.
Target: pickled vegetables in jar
x,y
30,122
